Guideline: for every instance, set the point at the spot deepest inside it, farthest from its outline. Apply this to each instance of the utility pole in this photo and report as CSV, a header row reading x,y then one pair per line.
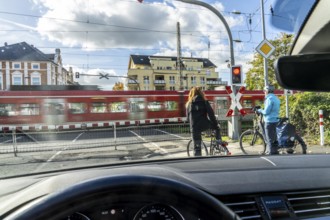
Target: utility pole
x,y
179,62
264,38
235,134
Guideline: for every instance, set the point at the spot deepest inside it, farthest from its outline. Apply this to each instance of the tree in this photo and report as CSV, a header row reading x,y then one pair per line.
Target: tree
x,y
304,113
119,86
255,75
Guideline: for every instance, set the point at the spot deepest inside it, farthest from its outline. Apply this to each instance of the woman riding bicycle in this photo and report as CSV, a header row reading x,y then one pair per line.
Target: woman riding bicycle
x,y
201,117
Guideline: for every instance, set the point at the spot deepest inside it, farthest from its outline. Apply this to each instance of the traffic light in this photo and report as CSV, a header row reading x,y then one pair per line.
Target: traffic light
x,y
77,75
236,74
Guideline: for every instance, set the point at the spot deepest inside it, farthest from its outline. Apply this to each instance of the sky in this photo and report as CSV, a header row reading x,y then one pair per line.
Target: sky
x,y
99,35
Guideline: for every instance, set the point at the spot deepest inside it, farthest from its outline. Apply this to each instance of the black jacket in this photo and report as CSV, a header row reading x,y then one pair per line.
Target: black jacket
x,y
198,113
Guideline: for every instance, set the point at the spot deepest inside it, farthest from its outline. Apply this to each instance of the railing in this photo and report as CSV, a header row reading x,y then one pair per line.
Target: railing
x,y
36,141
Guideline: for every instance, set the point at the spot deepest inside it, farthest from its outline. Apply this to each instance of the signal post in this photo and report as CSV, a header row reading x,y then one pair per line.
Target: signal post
x,y
236,82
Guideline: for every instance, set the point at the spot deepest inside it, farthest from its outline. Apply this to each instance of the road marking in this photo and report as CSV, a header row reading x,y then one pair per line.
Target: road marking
x,y
269,161
165,132
162,150
56,154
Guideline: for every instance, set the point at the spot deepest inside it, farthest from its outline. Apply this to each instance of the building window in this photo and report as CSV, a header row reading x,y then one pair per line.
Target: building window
x,y
146,80
17,79
35,66
193,80
1,84
16,66
202,79
35,81
35,78
172,80
172,88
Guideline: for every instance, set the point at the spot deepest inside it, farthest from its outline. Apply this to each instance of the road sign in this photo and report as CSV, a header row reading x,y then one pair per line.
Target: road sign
x,y
235,101
265,48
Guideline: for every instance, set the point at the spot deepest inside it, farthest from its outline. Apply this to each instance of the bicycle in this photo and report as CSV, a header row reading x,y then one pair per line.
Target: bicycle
x,y
215,147
252,141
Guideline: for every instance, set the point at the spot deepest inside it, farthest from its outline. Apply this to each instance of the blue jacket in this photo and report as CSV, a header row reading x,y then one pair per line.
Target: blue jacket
x,y
272,108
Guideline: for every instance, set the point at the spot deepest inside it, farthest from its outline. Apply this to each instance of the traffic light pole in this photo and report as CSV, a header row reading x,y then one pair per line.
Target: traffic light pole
x,y
234,134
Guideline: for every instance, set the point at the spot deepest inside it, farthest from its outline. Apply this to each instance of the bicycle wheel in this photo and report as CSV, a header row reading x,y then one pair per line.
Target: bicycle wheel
x,y
190,149
300,146
216,149
252,142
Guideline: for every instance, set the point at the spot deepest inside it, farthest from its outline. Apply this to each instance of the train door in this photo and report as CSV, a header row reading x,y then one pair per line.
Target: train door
x,y
221,108
54,111
137,108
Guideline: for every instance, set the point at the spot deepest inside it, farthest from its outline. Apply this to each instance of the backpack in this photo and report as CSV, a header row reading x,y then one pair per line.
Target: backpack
x,y
286,133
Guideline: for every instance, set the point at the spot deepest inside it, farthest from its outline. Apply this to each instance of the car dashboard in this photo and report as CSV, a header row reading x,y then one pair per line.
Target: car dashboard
x,y
253,187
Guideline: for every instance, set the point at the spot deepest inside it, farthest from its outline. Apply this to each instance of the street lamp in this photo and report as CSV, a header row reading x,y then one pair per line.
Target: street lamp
x,y
232,60
215,11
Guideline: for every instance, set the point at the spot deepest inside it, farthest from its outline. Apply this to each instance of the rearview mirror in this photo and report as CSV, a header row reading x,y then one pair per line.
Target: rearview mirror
x,y
308,72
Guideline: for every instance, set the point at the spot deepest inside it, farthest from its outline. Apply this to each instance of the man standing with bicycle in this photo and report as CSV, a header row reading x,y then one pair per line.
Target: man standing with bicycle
x,y
271,114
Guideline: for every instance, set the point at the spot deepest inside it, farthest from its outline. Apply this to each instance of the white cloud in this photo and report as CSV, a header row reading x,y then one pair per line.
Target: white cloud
x,y
108,26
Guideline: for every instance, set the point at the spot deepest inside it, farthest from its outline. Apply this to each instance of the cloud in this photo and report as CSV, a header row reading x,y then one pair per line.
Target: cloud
x,y
123,27
111,24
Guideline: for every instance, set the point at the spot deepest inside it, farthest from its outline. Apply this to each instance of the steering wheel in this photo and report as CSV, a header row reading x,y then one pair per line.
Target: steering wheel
x,y
61,204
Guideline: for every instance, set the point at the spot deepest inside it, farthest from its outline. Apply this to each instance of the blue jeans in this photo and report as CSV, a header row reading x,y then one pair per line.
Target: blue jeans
x,y
271,138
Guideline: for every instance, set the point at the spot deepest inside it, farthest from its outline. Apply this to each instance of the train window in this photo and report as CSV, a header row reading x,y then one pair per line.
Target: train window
x,y
258,102
77,108
154,106
54,108
136,106
247,103
7,110
29,109
118,107
171,105
99,107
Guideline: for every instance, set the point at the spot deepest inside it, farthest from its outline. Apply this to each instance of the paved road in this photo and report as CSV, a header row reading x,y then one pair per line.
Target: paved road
x,y
31,162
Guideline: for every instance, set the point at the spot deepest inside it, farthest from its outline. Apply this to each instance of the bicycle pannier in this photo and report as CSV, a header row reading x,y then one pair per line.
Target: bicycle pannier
x,y
286,134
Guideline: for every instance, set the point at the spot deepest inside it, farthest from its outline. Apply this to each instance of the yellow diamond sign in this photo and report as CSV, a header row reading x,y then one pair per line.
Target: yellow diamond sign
x,y
265,48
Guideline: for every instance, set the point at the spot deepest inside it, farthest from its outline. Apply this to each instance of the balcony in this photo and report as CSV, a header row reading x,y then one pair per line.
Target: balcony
x,y
217,82
133,81
159,82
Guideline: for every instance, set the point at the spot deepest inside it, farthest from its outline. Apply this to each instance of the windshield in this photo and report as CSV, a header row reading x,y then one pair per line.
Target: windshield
x,y
89,83
290,15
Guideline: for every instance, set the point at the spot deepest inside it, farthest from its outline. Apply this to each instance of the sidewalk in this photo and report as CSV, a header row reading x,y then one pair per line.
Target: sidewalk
x,y
235,149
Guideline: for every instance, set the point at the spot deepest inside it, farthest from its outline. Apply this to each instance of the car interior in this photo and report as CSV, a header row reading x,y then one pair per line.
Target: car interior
x,y
204,188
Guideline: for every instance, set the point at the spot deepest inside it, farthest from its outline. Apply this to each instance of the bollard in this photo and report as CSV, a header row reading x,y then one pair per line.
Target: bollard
x,y
321,128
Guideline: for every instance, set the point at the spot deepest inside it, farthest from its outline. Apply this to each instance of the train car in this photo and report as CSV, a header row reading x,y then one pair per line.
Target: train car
x,y
95,106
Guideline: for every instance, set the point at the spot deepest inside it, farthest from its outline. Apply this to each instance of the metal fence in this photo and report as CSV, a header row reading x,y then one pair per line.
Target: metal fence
x,y
20,142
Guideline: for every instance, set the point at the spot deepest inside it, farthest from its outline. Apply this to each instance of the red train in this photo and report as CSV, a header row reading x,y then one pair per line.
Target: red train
x,y
92,106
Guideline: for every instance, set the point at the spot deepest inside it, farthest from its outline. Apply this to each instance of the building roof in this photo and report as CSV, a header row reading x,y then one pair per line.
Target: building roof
x,y
145,60
22,52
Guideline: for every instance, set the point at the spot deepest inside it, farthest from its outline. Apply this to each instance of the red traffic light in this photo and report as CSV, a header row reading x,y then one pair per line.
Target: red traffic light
x,y
236,70
236,74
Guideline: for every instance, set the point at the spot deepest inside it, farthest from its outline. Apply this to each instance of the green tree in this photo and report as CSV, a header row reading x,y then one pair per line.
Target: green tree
x,y
255,76
304,114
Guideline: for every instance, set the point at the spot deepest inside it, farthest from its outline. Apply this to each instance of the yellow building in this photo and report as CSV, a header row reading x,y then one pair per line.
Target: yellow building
x,y
161,73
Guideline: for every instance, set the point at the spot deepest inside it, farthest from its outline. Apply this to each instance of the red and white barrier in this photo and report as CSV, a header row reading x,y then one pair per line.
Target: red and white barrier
x,y
89,125
321,128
